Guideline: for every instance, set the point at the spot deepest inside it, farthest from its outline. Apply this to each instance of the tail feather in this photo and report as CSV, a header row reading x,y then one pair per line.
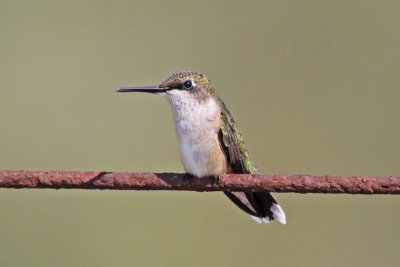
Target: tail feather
x,y
261,206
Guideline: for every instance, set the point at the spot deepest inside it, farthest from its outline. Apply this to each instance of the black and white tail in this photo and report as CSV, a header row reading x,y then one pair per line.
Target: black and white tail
x,y
261,206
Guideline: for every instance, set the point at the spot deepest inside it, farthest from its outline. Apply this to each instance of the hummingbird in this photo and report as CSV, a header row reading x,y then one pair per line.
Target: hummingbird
x,y
210,144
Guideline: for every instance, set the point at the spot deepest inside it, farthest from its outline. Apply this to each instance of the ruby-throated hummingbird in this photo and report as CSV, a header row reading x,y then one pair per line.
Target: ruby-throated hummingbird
x,y
210,144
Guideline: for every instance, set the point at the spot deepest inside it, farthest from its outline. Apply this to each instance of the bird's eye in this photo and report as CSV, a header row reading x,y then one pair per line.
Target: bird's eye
x,y
188,84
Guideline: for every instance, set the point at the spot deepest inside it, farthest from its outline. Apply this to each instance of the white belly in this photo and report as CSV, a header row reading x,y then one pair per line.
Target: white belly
x,y
202,157
197,134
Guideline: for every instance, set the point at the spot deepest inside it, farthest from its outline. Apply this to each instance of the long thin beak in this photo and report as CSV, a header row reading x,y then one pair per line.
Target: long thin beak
x,y
146,89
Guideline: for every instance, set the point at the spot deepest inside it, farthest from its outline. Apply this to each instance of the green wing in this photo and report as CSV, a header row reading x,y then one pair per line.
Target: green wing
x,y
233,144
260,205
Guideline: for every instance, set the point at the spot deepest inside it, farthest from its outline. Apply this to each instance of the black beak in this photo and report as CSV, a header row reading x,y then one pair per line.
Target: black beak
x,y
146,89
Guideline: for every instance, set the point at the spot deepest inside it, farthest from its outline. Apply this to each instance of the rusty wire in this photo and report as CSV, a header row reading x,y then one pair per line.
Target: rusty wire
x,y
175,181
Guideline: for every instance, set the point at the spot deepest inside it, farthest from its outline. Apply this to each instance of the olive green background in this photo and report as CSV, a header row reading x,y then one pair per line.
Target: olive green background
x,y
313,85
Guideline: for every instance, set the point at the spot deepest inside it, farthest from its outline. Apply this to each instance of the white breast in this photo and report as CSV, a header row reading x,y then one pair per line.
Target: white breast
x,y
197,126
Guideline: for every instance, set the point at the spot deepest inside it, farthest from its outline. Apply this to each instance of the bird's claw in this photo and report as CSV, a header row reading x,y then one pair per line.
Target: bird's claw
x,y
188,178
215,180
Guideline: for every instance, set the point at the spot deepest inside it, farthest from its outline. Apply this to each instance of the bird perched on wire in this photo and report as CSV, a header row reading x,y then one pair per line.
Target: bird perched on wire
x,y
210,143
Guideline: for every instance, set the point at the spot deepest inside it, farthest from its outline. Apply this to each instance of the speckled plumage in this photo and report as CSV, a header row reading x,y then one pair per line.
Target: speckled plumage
x,y
178,78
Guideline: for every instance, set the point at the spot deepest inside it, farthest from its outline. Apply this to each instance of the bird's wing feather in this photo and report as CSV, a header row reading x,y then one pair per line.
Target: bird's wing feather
x,y
257,204
233,145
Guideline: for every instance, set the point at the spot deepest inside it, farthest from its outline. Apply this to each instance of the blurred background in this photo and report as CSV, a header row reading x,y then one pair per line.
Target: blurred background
x,y
313,85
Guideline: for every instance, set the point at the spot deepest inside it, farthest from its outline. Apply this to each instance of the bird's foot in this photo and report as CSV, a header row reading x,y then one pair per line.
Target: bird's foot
x,y
188,178
215,180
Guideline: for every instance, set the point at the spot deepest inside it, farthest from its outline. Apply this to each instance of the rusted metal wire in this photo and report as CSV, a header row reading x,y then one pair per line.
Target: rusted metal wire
x,y
175,181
